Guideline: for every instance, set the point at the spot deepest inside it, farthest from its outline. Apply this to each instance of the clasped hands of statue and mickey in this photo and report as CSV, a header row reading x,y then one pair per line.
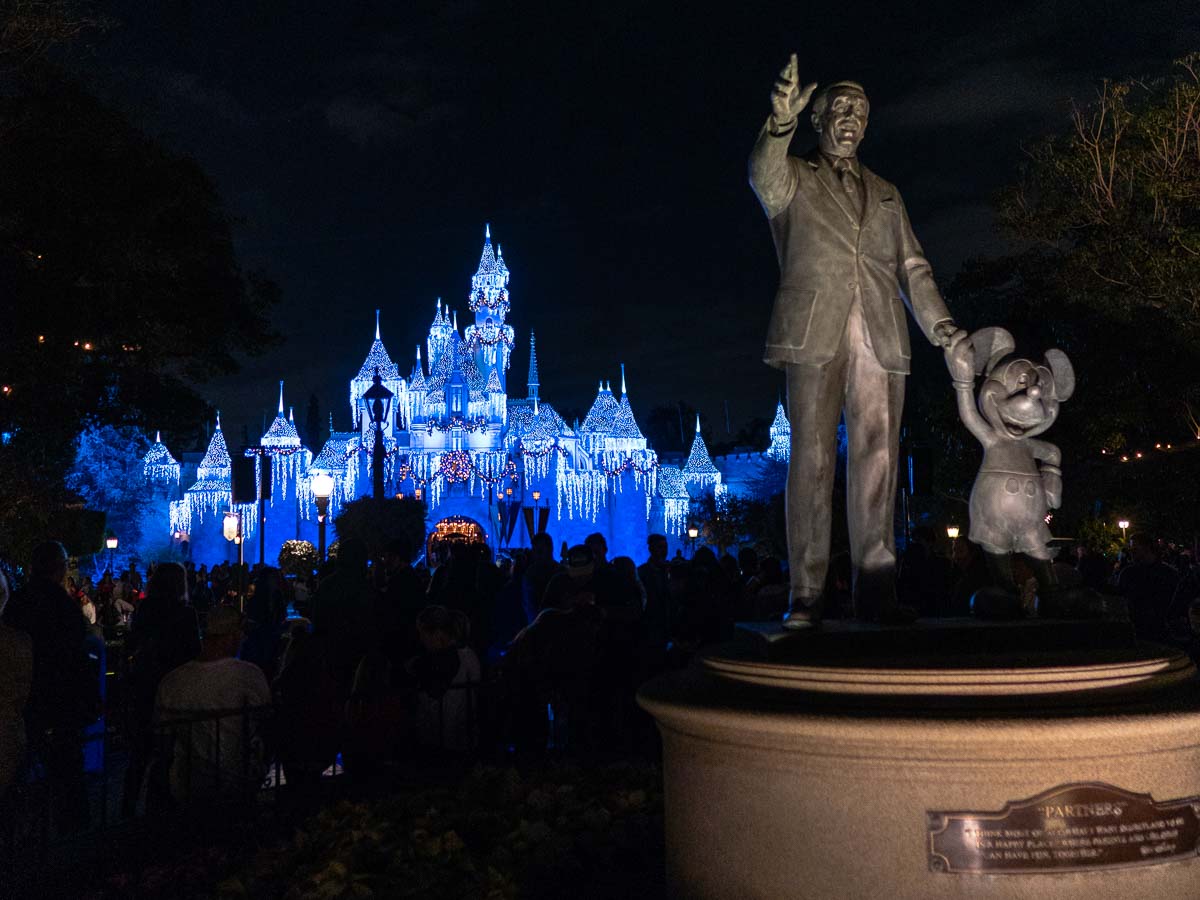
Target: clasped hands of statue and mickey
x,y
1020,479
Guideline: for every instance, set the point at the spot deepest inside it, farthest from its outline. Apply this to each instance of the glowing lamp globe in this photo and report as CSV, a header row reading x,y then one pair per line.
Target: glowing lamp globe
x,y
322,486
693,532
952,532
111,542
1123,524
229,527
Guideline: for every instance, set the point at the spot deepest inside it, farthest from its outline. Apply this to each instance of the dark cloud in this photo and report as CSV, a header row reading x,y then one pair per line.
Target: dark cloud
x,y
367,121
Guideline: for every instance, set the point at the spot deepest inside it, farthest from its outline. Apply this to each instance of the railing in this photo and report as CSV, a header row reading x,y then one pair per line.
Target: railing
x,y
188,752
183,764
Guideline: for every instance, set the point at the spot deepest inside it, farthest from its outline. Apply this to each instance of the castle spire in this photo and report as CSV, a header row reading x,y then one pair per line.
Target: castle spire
x,y
376,324
281,398
487,232
292,414
158,437
218,420
781,435
331,423
622,379
533,369
699,467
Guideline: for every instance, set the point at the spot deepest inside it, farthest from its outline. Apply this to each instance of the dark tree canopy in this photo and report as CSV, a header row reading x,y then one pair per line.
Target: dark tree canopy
x,y
1103,227
120,281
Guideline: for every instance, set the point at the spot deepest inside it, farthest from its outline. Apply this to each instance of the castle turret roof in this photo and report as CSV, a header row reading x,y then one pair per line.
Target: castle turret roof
x,y
600,417
282,432
377,358
158,463
216,462
698,461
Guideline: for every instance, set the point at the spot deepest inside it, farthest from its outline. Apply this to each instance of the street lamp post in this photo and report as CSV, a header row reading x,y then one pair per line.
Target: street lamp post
x,y
111,543
380,399
952,533
692,532
322,488
1123,524
509,511
231,528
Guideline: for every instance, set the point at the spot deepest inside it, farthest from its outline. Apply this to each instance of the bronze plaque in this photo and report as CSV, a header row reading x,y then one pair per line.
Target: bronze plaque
x,y
1081,826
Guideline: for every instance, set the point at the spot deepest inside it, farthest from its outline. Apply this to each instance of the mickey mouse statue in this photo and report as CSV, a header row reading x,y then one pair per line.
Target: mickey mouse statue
x,y
1020,480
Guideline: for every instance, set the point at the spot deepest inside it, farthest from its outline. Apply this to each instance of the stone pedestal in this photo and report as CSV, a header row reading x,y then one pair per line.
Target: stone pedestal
x,y
851,762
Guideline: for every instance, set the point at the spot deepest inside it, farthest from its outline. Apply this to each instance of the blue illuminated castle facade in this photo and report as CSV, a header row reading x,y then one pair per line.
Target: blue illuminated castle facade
x,y
485,462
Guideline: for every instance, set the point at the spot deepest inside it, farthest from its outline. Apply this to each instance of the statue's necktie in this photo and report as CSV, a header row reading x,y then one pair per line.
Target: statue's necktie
x,y
850,184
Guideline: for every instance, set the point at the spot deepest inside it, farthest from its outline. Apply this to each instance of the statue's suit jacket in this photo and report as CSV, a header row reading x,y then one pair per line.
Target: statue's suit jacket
x,y
827,255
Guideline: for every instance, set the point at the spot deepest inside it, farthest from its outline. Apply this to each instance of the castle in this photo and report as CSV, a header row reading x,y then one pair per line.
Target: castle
x,y
489,466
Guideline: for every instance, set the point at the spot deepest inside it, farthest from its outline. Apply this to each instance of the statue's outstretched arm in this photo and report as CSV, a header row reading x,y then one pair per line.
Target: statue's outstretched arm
x,y
772,174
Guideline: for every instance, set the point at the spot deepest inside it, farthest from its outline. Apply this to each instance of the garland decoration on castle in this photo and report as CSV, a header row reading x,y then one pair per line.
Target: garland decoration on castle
x,y
477,337
629,464
274,451
539,452
479,423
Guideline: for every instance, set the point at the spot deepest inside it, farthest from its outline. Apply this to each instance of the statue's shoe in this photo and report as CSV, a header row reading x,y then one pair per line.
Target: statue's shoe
x,y
799,617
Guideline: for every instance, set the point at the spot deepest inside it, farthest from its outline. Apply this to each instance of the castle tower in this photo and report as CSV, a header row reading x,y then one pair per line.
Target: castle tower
x,y
215,465
281,435
699,471
532,382
781,436
625,436
159,467
441,333
415,408
597,425
489,339
377,358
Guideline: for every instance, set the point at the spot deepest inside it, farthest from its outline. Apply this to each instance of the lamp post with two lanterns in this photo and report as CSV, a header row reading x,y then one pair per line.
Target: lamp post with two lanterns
x,y
1123,524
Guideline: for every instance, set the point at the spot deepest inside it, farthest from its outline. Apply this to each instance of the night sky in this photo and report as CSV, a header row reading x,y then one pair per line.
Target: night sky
x,y
363,146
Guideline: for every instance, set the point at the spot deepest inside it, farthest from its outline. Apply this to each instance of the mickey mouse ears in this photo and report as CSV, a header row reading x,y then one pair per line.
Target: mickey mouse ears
x,y
991,345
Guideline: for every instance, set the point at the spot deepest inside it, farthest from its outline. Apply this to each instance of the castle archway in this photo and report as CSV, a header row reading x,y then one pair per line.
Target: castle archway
x,y
450,531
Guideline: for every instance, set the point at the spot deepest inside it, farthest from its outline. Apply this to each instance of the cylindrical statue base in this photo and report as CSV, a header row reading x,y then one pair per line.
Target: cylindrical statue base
x,y
842,765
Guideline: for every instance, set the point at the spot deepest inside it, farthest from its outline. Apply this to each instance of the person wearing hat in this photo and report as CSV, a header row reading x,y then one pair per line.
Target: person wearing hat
x,y
212,759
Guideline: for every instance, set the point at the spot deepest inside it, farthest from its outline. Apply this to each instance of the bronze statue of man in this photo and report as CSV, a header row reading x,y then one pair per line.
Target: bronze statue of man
x,y
849,264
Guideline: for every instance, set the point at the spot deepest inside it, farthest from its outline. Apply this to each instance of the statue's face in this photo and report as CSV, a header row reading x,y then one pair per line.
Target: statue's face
x,y
843,122
1018,399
